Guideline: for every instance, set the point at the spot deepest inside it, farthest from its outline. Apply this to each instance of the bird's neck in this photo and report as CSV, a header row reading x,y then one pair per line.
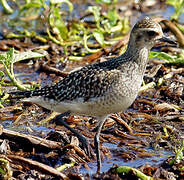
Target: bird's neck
x,y
136,54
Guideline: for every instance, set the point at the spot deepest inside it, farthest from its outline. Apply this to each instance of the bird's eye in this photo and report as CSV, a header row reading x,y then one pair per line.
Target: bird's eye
x,y
151,33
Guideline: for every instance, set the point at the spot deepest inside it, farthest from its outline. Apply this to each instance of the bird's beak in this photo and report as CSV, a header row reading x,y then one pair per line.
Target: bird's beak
x,y
165,39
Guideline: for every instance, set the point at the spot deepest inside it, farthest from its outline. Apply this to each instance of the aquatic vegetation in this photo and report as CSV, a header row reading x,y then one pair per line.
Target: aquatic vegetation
x,y
172,59
178,6
103,29
9,58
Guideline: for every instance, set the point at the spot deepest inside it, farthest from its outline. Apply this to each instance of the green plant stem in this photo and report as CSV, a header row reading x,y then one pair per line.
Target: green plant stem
x,y
12,77
139,174
6,7
85,39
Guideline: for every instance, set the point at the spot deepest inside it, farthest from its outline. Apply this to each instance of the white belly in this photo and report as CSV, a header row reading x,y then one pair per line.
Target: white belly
x,y
96,106
107,104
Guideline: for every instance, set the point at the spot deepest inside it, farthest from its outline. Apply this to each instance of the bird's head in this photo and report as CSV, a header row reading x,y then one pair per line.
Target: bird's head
x,y
147,33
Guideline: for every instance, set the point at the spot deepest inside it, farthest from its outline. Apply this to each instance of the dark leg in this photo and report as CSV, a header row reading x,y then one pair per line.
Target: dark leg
x,y
81,138
96,142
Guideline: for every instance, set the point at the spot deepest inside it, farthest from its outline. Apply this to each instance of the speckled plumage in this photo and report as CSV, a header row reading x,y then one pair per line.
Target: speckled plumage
x,y
97,80
102,88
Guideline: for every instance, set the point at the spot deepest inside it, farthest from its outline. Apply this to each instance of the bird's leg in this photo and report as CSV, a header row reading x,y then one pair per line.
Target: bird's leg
x,y
96,141
81,138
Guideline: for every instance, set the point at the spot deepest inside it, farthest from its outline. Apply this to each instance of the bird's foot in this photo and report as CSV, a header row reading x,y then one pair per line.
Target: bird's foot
x,y
86,146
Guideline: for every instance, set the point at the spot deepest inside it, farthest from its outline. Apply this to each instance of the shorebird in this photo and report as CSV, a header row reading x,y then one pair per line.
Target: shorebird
x,y
103,88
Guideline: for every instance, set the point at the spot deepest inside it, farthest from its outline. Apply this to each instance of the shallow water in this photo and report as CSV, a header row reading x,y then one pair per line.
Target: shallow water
x,y
160,156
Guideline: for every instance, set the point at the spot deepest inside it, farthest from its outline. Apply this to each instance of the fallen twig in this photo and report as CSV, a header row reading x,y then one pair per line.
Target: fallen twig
x,y
37,166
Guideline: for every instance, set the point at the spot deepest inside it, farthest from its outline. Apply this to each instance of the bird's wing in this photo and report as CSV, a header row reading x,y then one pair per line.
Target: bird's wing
x,y
85,83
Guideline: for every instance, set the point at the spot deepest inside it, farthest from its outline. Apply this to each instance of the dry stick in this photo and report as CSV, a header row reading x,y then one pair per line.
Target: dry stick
x,y
122,122
175,31
50,69
78,151
37,166
29,139
124,135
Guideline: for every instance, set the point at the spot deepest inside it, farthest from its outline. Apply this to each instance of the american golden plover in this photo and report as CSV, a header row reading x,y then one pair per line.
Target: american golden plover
x,y
102,88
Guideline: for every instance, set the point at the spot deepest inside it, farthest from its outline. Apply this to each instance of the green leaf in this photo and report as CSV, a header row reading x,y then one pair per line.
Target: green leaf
x,y
2,171
27,55
96,12
57,24
112,16
178,6
178,59
9,58
160,55
126,25
99,37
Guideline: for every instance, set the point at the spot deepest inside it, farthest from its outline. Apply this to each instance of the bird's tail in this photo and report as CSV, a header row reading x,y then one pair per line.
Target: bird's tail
x,y
20,94
45,91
